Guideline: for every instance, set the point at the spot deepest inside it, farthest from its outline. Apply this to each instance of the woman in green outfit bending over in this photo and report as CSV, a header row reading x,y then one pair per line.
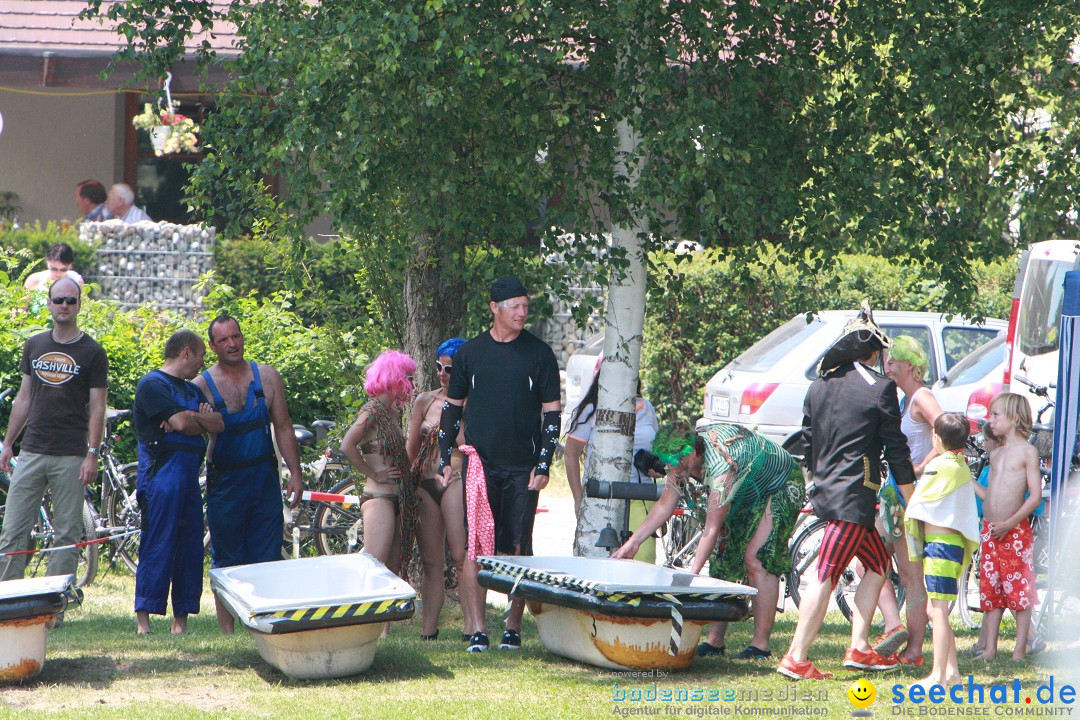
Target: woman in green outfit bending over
x,y
755,480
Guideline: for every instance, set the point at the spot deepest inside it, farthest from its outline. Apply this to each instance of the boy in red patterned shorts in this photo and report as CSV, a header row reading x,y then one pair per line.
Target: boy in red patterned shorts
x,y
1007,577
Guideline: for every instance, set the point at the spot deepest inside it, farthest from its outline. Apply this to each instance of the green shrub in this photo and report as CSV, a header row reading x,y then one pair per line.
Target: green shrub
x,y
711,309
328,281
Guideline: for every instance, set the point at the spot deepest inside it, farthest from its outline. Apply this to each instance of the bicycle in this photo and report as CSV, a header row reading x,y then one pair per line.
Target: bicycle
x,y
312,526
118,516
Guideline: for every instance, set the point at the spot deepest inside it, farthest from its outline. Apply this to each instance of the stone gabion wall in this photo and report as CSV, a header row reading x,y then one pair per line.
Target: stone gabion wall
x,y
149,263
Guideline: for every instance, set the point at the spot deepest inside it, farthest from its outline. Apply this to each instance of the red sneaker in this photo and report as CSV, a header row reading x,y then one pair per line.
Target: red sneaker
x,y
869,660
891,642
804,670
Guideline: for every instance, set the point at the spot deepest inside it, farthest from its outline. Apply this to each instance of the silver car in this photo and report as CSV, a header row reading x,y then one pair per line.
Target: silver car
x,y
969,387
764,387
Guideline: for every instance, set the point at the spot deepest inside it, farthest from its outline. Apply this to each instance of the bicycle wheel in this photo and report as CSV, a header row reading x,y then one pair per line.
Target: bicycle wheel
x,y
967,600
338,529
86,571
804,552
125,516
43,537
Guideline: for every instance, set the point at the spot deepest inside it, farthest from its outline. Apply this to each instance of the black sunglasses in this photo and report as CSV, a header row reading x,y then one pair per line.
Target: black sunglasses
x,y
64,299
443,368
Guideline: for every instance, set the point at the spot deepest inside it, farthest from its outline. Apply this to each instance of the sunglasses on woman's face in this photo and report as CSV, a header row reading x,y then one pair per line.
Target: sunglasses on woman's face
x,y
444,368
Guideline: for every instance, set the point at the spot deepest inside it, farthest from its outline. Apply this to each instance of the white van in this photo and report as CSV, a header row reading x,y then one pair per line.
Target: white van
x,y
1035,320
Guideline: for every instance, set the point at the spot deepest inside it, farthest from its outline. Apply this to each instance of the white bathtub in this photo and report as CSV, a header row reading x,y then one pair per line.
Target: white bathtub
x,y
26,609
619,614
315,617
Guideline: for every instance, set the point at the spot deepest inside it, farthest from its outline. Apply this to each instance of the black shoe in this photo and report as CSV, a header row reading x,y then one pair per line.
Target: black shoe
x,y
432,636
511,640
707,650
478,643
751,652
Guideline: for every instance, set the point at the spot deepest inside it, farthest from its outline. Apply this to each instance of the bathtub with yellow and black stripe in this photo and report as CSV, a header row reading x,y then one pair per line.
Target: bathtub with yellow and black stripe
x,y
315,617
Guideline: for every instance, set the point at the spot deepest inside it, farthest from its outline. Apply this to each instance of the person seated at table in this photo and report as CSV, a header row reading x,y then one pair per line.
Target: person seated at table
x,y
756,483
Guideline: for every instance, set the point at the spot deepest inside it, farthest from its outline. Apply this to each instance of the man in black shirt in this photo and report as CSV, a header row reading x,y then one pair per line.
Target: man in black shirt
x,y
511,381
60,413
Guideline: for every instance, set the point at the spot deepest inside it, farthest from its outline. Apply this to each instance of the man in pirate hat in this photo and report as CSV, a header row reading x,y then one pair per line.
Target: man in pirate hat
x,y
851,416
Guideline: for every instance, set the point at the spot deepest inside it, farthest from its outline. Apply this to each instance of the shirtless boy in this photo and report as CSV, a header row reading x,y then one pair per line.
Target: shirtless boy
x,y
1006,532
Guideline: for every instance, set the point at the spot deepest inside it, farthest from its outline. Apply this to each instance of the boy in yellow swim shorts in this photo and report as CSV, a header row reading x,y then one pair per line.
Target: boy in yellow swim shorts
x,y
942,524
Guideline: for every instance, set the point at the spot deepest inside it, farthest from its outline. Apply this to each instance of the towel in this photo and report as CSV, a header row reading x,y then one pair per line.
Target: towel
x,y
944,497
477,507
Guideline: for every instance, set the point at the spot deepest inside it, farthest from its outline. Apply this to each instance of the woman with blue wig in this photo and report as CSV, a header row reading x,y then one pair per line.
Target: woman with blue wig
x,y
442,508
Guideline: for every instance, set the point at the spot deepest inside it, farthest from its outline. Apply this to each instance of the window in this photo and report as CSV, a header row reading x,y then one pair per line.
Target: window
x,y
959,342
159,182
1040,306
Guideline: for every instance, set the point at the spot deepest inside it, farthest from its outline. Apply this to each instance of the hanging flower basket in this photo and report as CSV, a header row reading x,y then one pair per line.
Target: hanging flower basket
x,y
170,132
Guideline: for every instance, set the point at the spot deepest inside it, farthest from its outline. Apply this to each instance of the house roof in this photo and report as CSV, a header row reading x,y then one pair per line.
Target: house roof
x,y
40,27
44,44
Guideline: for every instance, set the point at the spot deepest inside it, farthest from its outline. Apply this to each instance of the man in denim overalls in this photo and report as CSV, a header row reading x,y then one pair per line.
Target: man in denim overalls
x,y
243,491
171,417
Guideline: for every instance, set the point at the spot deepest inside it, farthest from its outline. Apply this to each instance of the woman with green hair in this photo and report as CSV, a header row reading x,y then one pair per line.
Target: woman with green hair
x,y
906,365
755,494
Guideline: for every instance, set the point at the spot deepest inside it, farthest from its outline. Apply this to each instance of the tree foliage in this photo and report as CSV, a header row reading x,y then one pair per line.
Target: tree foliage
x,y
925,129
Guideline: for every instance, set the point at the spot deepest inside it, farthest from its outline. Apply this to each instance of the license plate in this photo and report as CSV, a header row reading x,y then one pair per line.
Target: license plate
x,y
720,406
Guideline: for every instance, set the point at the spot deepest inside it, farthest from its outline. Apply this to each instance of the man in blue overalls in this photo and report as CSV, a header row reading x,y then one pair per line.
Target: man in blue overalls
x,y
171,416
243,491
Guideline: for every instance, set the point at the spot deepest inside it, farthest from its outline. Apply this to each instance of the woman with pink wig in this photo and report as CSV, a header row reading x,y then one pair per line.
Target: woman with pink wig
x,y
375,444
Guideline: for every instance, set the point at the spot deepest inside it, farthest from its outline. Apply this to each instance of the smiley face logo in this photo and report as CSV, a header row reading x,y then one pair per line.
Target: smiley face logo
x,y
862,693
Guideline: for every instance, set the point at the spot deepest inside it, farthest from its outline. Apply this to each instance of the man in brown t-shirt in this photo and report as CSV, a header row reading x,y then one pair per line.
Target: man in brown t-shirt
x,y
61,406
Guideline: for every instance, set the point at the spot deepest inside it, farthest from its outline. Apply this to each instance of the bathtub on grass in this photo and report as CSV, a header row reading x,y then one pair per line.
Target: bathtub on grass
x,y
27,608
618,614
315,617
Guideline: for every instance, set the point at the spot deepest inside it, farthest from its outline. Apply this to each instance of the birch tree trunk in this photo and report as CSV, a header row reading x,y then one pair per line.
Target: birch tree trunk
x,y
610,455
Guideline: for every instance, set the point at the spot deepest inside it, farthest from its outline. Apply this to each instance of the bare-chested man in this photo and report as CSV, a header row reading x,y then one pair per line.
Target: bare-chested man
x,y
1012,494
243,491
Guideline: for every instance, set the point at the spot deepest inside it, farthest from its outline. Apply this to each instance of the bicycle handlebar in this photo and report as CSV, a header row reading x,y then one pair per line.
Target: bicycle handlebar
x,y
1035,388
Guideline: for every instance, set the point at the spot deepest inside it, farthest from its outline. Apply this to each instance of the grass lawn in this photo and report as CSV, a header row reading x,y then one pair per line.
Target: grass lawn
x,y
98,668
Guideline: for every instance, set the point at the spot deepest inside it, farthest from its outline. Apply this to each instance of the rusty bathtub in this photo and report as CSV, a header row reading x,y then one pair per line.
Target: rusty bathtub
x,y
26,609
619,614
